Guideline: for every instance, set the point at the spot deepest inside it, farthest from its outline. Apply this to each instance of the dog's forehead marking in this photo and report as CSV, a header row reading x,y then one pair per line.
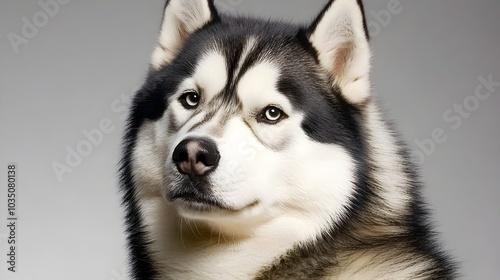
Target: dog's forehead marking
x,y
253,86
250,43
258,86
210,73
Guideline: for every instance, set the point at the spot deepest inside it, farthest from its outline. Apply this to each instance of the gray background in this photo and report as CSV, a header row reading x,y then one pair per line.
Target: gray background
x,y
89,54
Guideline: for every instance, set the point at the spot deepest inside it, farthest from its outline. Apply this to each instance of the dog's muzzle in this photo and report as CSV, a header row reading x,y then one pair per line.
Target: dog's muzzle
x,y
196,156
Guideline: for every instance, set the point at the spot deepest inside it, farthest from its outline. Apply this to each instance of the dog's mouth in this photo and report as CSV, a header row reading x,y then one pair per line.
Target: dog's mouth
x,y
197,201
195,195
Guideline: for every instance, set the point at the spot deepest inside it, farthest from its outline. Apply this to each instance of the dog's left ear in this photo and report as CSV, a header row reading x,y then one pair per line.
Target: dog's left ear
x,y
340,38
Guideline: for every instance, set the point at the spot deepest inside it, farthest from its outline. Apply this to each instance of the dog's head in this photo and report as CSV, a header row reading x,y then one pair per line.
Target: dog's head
x,y
241,120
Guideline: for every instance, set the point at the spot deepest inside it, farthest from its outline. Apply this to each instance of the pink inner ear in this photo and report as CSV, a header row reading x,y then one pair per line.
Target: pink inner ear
x,y
343,55
183,35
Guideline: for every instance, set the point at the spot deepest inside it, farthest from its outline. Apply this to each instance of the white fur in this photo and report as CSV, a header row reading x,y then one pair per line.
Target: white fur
x,y
391,168
148,161
342,25
188,14
257,88
211,74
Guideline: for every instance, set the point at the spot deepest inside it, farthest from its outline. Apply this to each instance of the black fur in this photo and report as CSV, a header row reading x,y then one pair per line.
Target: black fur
x,y
139,257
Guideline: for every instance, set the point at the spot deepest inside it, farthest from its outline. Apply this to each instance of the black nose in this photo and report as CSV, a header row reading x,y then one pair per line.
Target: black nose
x,y
196,156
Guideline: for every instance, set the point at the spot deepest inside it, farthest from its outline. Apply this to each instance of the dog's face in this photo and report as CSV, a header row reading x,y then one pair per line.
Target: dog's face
x,y
243,121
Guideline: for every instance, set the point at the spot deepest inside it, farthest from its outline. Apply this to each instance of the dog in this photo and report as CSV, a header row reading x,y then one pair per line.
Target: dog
x,y
256,150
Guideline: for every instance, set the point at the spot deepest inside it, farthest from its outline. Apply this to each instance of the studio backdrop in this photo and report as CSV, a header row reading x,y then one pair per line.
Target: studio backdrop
x,y
68,70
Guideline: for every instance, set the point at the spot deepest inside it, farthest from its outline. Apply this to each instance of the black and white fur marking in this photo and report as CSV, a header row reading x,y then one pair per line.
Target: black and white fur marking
x,y
255,150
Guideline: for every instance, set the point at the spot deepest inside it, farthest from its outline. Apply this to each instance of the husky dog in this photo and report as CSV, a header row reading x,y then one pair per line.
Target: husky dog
x,y
255,150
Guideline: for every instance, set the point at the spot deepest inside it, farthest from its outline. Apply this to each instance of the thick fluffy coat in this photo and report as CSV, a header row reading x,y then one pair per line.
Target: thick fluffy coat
x,y
255,150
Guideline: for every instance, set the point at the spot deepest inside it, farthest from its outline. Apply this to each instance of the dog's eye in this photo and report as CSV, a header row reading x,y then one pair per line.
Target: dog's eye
x,y
190,100
272,115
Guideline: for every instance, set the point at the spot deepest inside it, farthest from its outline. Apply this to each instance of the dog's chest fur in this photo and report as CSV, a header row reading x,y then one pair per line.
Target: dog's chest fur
x,y
188,250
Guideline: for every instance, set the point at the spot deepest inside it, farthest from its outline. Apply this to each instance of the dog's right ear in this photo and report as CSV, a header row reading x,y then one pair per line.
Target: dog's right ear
x,y
181,19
